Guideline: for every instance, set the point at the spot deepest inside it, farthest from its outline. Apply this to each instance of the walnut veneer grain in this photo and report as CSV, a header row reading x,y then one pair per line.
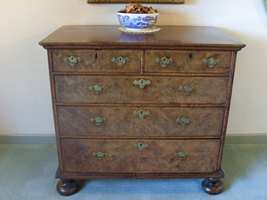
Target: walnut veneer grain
x,y
97,61
125,122
120,89
177,37
187,61
122,156
141,106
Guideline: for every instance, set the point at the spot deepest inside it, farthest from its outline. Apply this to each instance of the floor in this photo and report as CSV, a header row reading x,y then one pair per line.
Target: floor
x,y
27,173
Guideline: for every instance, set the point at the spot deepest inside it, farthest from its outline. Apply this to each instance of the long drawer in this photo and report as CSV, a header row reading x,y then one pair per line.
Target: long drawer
x,y
122,156
140,89
187,61
103,121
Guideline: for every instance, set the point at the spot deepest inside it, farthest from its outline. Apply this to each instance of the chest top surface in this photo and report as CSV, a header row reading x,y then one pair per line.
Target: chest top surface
x,y
169,36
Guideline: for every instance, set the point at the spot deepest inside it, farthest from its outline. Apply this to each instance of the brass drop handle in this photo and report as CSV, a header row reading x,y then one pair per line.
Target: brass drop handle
x,y
72,60
141,114
141,146
98,121
186,88
164,61
101,155
183,120
211,62
95,88
182,154
119,60
141,83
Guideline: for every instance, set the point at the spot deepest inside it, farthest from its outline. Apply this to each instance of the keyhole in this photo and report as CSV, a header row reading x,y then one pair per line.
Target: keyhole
x,y
190,56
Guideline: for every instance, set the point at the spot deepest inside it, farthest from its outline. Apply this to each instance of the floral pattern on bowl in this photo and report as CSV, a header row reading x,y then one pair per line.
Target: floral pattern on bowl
x,y
137,21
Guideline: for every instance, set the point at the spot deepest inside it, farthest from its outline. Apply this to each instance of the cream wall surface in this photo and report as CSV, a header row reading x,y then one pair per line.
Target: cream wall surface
x,y
25,102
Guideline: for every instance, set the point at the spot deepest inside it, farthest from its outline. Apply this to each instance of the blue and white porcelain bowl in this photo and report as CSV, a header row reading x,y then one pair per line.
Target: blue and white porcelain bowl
x,y
137,21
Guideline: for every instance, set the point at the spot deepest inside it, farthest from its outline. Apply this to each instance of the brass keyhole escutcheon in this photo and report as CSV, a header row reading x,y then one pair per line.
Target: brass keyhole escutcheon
x,y
141,146
142,114
141,83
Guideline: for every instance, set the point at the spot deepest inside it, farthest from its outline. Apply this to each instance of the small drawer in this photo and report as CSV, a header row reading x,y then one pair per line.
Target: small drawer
x,y
96,121
97,61
145,156
145,89
187,61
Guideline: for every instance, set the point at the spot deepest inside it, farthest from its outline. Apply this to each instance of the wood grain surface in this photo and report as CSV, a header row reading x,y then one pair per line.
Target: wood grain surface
x,y
124,156
125,122
104,36
120,89
187,61
141,106
97,61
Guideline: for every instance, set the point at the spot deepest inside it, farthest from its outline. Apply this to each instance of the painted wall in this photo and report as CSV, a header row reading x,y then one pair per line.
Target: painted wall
x,y
25,105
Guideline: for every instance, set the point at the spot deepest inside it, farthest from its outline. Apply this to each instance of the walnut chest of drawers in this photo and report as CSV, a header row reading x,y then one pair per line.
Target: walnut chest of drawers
x,y
140,106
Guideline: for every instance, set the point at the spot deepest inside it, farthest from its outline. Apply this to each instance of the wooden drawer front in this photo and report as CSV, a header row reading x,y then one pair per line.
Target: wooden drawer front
x,y
187,61
139,122
120,60
169,156
119,89
97,61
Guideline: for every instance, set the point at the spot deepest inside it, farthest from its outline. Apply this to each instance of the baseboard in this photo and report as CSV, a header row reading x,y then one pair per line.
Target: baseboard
x,y
27,139
50,139
246,139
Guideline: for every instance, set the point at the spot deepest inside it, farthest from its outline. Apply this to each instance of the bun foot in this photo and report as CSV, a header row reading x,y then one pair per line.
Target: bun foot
x,y
213,185
67,187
